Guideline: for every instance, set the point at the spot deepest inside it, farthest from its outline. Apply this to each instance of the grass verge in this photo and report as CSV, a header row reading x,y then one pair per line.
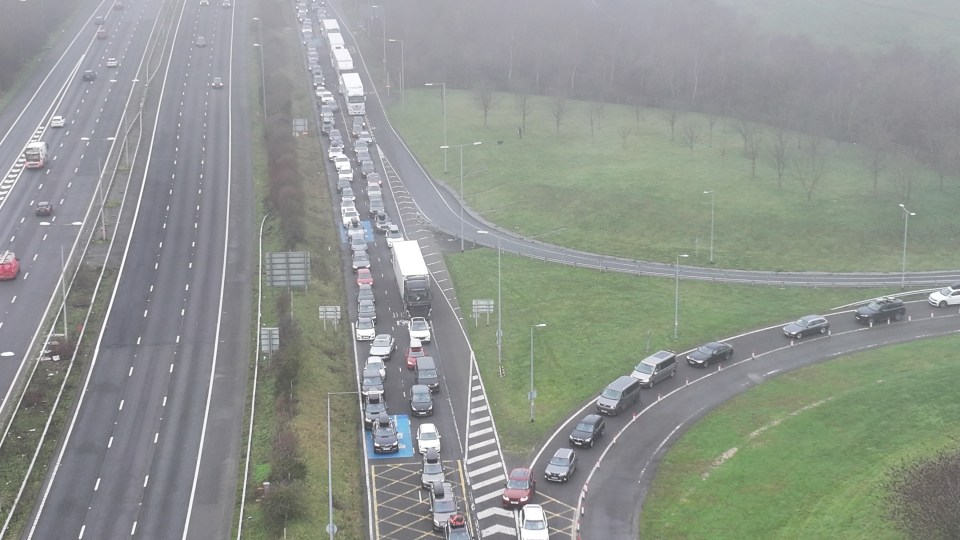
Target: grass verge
x,y
812,448
625,188
599,326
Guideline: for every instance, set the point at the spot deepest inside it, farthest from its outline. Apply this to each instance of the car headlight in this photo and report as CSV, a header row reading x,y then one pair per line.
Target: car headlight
x,y
524,499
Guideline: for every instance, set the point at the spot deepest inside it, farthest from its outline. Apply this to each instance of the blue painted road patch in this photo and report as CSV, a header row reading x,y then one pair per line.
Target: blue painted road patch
x,y
403,435
367,232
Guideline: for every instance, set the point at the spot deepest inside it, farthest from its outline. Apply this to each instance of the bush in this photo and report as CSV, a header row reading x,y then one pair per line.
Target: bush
x,y
924,497
282,503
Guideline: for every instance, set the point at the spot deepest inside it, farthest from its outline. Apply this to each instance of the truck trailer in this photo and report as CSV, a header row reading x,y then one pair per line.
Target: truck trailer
x,y
35,155
413,278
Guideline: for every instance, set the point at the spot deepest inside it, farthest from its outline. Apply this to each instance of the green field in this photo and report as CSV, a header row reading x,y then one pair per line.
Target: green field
x,y
865,26
599,325
813,448
642,196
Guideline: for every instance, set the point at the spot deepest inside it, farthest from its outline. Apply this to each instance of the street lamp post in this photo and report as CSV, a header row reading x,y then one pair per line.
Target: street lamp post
x,y
103,202
462,197
263,79
63,278
533,393
676,301
903,266
444,99
713,200
499,306
402,77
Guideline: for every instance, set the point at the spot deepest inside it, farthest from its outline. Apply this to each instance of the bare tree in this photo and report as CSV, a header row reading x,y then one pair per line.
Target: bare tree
x,y
752,148
671,116
778,153
810,165
711,121
625,132
558,107
902,177
691,134
483,93
923,497
746,131
879,144
522,100
596,113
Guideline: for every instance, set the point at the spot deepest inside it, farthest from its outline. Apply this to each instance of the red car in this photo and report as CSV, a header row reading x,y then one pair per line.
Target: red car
x,y
364,277
415,351
520,488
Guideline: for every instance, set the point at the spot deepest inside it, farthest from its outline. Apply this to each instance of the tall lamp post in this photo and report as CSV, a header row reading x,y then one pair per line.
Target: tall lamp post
x,y
903,266
263,79
103,202
713,201
403,100
533,393
462,197
383,25
63,278
444,98
499,306
676,301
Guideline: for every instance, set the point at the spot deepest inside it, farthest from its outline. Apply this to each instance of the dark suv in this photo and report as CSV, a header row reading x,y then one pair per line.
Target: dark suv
x,y
588,430
375,406
882,309
385,438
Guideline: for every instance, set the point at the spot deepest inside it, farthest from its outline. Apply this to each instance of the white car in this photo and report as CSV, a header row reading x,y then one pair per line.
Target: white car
x,y
365,330
334,152
947,296
394,234
326,97
347,195
375,362
342,162
428,437
56,122
419,329
345,175
533,523
348,215
112,62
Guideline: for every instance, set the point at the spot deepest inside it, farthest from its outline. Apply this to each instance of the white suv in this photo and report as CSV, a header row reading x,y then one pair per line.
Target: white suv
x,y
947,296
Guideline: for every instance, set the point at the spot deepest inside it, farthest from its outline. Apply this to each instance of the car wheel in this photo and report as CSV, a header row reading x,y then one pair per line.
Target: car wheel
x,y
672,375
897,316
942,304
799,335
823,330
728,356
591,442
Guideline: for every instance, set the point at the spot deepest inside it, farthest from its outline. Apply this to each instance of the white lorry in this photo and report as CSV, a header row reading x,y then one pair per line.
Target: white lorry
x,y
341,60
413,278
352,89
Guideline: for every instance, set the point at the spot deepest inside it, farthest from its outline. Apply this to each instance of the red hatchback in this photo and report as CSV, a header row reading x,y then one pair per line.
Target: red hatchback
x,y
364,277
519,489
415,351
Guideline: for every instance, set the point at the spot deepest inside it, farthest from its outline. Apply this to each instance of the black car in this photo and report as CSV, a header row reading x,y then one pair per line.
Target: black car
x,y
365,291
588,430
376,205
715,351
385,440
361,259
882,309
44,209
381,222
561,465
372,382
89,75
366,308
421,400
374,405
805,326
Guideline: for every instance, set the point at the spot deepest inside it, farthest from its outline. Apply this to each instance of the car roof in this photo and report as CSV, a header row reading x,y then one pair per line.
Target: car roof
x,y
564,453
534,512
420,389
521,473
592,418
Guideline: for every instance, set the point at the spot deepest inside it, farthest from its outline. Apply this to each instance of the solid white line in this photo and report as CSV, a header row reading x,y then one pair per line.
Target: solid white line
x,y
477,486
494,511
480,432
481,470
481,457
481,444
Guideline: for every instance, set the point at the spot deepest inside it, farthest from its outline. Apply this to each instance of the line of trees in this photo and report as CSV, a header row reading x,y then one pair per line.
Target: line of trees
x,y
25,27
684,55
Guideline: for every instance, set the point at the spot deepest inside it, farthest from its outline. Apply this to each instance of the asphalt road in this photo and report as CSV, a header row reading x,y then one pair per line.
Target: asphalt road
x,y
605,501
77,152
165,388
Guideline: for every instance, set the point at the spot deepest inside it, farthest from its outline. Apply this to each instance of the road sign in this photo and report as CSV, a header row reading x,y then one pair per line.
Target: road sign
x,y
269,339
482,306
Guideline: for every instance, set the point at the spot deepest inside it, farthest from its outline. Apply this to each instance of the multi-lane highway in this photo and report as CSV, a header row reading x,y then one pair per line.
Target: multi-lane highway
x,y
151,448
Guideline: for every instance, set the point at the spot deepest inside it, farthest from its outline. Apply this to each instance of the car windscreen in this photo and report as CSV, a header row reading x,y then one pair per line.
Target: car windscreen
x,y
559,461
445,506
434,467
421,398
610,394
585,427
518,484
644,368
428,373
534,525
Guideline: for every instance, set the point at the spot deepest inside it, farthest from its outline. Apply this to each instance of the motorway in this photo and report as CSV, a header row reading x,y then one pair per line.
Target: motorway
x,y
152,446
